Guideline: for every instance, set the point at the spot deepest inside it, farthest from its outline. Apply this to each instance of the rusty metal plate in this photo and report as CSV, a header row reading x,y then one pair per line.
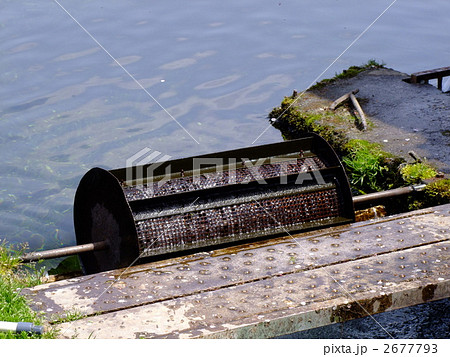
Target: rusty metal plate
x,y
281,258
272,307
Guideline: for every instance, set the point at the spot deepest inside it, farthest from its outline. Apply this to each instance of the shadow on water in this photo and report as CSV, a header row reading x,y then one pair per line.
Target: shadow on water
x,y
430,320
25,106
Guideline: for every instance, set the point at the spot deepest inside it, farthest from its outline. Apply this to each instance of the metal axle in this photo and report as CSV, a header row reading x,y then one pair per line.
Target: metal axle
x,y
103,245
62,252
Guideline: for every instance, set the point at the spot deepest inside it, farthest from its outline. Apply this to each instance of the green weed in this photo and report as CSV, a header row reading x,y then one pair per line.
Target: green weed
x,y
366,165
349,73
13,278
415,173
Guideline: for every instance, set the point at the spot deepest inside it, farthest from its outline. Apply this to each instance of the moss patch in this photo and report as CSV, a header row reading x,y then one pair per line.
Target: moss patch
x,y
415,173
349,73
292,122
435,193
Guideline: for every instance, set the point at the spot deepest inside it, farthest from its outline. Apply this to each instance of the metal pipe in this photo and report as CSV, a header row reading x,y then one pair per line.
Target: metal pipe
x,y
62,252
18,327
370,197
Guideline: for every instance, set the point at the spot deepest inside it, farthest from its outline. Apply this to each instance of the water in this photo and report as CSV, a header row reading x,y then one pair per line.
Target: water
x,y
429,320
217,67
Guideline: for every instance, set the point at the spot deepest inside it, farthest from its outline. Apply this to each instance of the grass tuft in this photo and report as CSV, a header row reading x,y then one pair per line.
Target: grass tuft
x,y
349,73
15,276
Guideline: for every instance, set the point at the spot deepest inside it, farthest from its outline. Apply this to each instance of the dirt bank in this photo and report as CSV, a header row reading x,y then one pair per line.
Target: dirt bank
x,y
402,116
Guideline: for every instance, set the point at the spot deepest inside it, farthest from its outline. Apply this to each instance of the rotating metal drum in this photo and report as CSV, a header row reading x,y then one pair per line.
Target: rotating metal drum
x,y
207,200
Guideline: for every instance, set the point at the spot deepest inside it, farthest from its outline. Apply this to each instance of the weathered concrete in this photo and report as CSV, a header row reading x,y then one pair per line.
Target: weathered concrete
x,y
264,289
405,116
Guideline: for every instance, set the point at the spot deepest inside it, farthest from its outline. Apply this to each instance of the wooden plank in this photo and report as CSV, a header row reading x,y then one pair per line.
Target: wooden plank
x,y
359,110
285,304
342,99
430,74
283,264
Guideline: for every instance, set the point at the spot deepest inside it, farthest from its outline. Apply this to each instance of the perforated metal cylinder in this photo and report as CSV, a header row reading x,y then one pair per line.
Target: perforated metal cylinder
x,y
211,199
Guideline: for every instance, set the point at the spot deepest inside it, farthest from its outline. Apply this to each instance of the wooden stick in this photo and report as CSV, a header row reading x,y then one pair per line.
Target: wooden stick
x,y
360,111
342,99
415,156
